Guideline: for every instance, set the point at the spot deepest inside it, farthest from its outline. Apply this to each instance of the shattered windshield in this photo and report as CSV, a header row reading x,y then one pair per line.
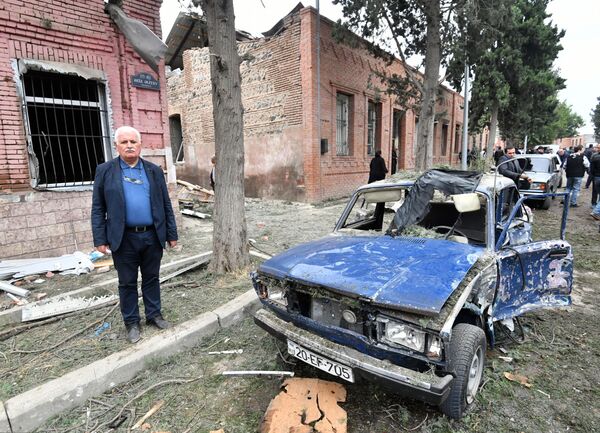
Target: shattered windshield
x,y
425,209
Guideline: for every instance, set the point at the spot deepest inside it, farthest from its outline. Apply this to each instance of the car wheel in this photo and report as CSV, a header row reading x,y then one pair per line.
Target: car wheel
x,y
546,203
466,360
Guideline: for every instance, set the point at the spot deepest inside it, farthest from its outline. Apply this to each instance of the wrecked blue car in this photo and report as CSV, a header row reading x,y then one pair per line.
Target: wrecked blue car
x,y
408,287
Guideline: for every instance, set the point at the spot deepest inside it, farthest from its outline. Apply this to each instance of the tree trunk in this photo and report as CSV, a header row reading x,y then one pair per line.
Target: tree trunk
x,y
493,129
425,132
230,250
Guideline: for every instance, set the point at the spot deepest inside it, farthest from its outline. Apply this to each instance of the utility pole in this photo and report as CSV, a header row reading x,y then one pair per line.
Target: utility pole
x,y
465,141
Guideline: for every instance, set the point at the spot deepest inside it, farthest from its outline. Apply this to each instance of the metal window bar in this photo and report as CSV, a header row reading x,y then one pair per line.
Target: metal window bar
x,y
342,147
66,118
179,157
371,128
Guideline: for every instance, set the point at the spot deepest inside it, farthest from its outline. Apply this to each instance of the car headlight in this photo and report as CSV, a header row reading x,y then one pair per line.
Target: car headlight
x,y
270,290
434,347
404,335
540,186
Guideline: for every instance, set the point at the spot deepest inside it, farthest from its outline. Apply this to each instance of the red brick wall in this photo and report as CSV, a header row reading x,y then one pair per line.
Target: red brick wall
x,y
79,33
281,130
273,115
350,70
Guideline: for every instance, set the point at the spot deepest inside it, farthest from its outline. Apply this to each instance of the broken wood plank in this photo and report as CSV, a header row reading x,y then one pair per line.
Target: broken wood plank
x,y
62,305
260,255
195,213
195,187
184,270
9,288
306,406
148,414
14,315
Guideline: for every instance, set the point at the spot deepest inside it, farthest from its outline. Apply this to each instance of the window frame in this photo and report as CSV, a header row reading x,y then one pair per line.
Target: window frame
x,y
28,101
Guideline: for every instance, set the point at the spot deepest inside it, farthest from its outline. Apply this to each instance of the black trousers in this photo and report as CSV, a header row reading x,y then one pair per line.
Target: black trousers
x,y
138,251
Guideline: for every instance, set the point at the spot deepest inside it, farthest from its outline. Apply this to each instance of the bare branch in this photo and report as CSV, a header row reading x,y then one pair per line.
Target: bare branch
x,y
414,81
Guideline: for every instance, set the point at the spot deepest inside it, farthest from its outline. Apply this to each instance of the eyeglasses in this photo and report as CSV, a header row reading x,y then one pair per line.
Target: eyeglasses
x,y
133,180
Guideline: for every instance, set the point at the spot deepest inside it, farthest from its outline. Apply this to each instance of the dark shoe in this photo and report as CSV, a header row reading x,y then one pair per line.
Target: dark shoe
x,y
575,205
133,332
159,322
595,216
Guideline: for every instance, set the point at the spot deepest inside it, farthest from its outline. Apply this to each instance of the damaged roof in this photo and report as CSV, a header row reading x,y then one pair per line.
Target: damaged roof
x,y
189,31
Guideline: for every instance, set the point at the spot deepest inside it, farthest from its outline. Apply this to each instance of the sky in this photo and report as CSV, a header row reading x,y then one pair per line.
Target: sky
x,y
578,62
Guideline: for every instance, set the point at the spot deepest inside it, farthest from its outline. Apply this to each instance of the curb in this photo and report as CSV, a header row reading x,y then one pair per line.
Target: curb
x,y
27,411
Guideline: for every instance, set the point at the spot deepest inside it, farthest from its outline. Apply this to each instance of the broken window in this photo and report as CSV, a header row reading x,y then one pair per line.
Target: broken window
x,y
66,126
176,138
342,120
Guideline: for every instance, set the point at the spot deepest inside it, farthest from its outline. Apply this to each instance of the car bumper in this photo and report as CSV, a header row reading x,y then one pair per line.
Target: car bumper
x,y
534,195
423,386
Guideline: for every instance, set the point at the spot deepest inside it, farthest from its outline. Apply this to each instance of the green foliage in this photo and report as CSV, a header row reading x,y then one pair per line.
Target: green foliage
x,y
596,120
512,57
432,29
565,124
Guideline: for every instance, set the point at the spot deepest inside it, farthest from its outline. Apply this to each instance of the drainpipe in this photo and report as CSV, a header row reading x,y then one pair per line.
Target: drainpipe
x,y
319,101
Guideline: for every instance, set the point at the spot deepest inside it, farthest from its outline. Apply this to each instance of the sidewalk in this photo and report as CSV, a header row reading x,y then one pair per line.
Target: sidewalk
x,y
27,411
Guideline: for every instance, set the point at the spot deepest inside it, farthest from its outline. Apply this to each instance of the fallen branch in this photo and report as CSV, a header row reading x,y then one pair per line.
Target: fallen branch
x,y
142,393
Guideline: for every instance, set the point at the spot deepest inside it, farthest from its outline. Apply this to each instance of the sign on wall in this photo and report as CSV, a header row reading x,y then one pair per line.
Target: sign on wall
x,y
145,81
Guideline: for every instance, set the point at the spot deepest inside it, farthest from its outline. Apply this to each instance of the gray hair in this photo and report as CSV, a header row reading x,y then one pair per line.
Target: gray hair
x,y
126,128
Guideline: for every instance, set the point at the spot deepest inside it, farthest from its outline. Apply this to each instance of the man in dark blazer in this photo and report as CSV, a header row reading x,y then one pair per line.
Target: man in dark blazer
x,y
132,215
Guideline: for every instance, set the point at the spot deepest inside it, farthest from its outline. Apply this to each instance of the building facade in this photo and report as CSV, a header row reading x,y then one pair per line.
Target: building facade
x,y
69,79
305,141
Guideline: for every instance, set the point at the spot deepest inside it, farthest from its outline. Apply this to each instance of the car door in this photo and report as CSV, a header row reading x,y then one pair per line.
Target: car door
x,y
532,274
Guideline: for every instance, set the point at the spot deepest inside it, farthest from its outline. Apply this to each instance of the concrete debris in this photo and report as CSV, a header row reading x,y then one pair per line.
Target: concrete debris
x,y
9,288
102,269
306,406
62,305
16,300
76,263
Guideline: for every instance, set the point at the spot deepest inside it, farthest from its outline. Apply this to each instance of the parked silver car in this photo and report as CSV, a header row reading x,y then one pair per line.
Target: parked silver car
x,y
545,173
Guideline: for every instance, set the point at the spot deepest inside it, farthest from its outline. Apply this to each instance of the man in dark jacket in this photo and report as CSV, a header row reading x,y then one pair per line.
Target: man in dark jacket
x,y
575,167
377,168
498,153
595,176
509,166
132,215
588,153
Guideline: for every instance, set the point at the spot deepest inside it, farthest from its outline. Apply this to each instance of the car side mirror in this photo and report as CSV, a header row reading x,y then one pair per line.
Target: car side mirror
x,y
466,202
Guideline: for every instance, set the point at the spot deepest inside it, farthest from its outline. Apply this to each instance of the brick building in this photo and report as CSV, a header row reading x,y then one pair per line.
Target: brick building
x,y
289,153
69,78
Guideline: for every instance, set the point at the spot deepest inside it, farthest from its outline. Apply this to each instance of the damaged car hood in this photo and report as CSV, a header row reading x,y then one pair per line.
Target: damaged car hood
x,y
412,274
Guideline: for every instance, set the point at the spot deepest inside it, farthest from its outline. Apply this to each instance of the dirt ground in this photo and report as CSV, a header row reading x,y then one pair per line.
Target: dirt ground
x,y
559,357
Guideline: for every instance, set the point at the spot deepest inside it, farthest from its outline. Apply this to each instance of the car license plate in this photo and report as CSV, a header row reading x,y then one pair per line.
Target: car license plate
x,y
322,363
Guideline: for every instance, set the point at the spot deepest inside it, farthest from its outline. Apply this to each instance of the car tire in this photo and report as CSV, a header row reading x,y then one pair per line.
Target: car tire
x,y
546,203
466,361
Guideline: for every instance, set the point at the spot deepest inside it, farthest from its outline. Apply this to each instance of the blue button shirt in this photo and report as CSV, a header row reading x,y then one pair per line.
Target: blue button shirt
x,y
136,189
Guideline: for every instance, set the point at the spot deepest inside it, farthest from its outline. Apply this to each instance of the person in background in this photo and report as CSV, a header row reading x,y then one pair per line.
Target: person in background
x,y
498,153
562,155
377,168
508,166
594,173
575,168
539,150
394,160
132,215
589,152
213,162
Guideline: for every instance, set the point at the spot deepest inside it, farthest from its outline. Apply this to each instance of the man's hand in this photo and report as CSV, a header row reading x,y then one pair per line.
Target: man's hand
x,y
103,248
172,244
